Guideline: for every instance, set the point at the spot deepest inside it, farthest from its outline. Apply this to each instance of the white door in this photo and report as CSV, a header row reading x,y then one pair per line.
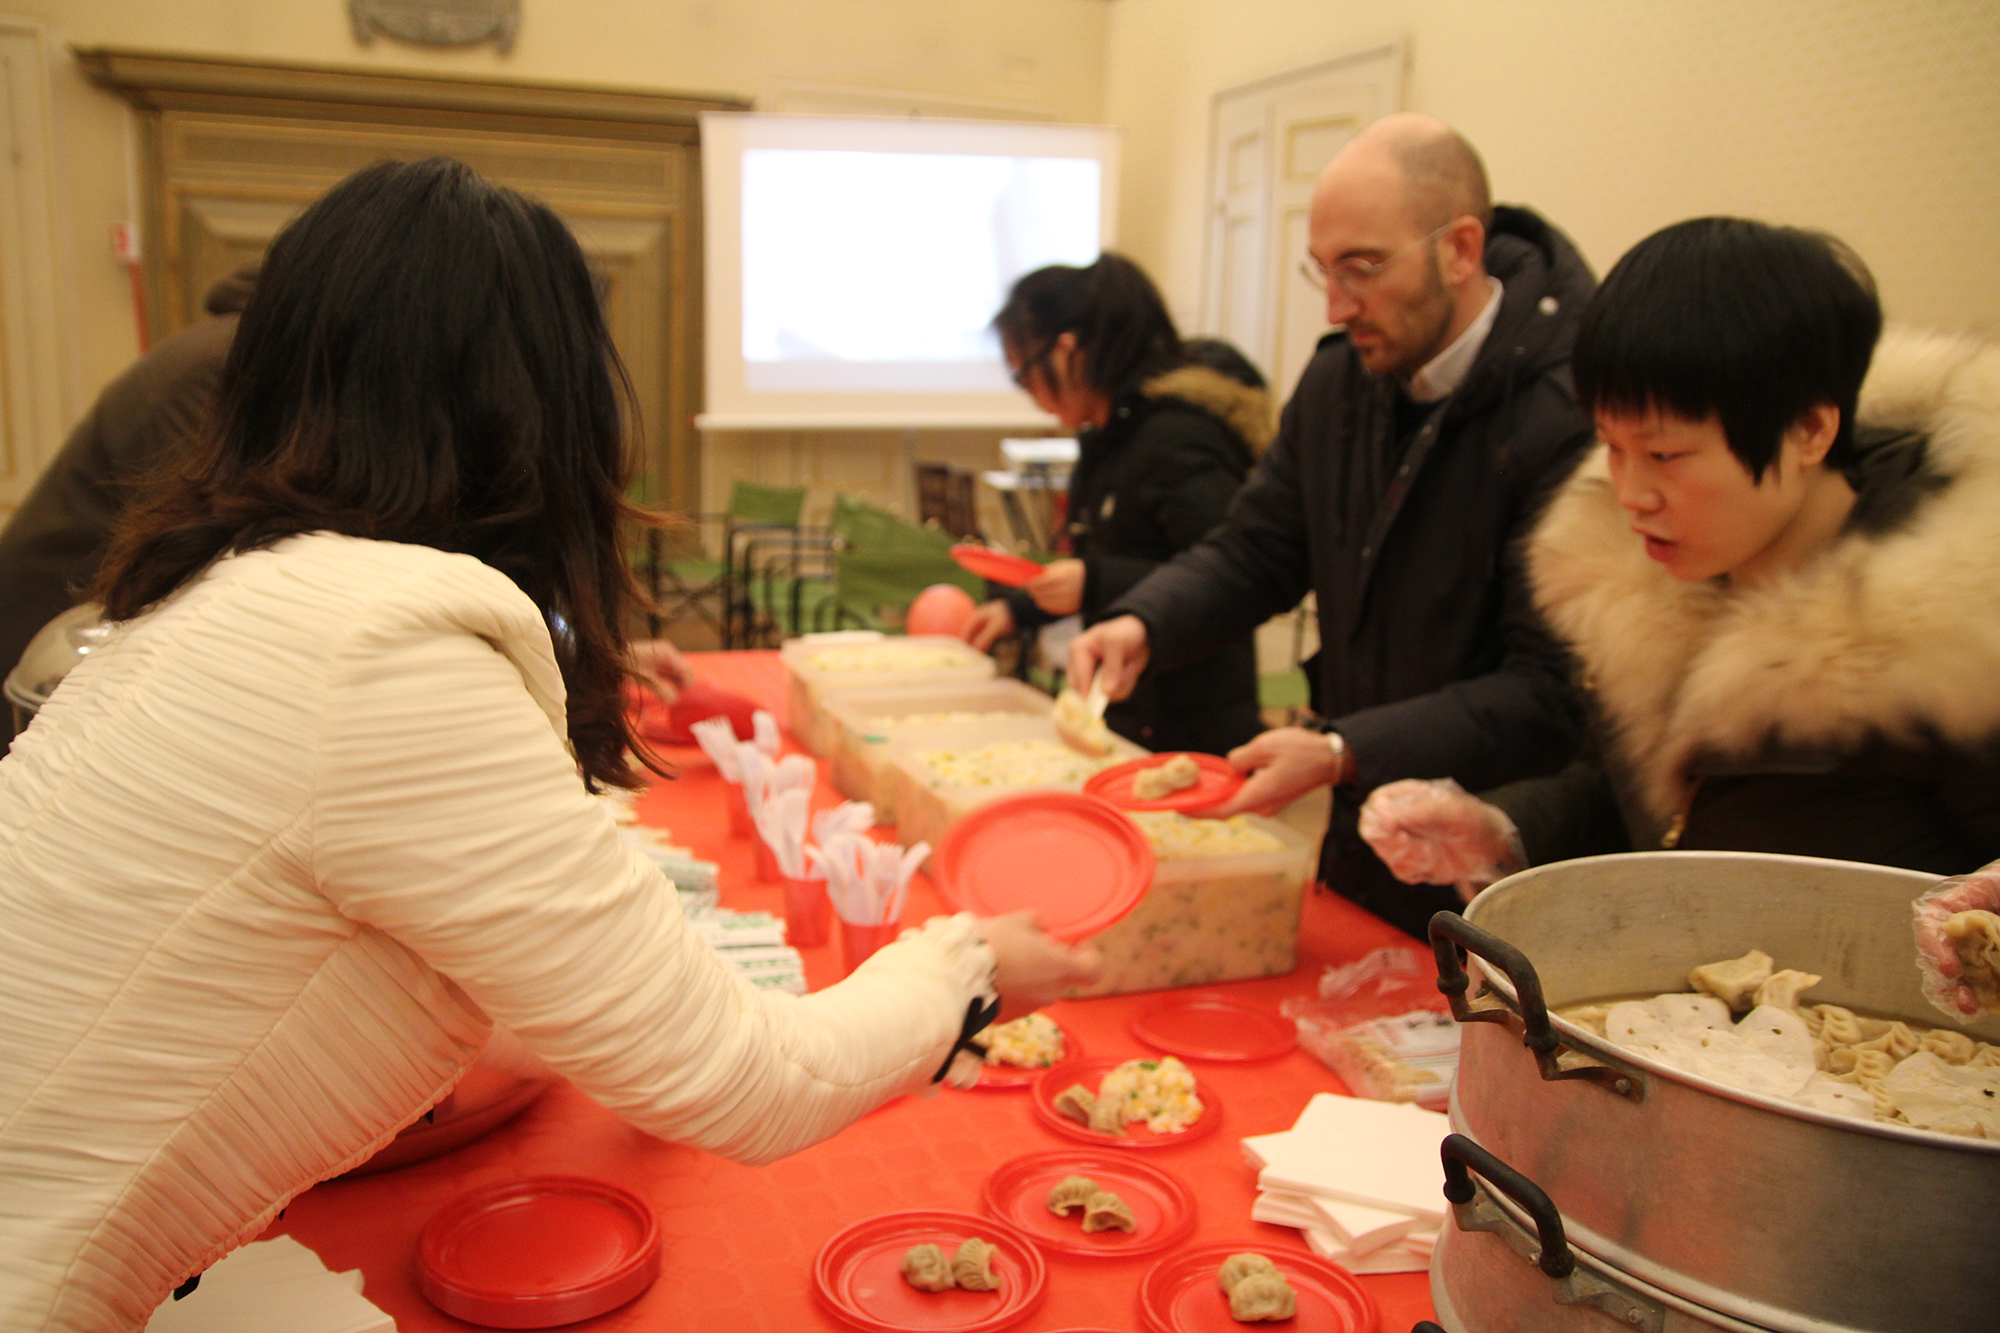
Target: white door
x,y
1268,142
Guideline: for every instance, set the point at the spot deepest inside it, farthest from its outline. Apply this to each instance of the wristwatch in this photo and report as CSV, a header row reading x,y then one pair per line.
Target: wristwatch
x,y
1343,758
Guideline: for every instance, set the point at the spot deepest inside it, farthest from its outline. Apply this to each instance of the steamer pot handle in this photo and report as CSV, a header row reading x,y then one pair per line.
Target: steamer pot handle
x,y
1449,932
1462,1157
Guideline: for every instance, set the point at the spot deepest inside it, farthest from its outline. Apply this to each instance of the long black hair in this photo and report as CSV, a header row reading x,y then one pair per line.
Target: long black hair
x,y
423,361
1121,325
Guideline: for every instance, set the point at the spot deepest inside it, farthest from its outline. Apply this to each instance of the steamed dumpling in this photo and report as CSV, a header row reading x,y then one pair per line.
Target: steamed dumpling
x,y
1975,937
1734,981
1782,989
972,1266
1161,780
1262,1296
1105,1210
1076,1102
1072,1192
926,1268
1239,1266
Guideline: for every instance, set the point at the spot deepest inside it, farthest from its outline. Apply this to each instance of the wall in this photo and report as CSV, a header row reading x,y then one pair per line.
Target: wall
x,y
1878,121
1040,58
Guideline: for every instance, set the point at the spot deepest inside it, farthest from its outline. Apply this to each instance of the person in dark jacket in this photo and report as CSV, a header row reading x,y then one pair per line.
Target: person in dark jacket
x,y
1416,451
51,547
1163,442
1779,580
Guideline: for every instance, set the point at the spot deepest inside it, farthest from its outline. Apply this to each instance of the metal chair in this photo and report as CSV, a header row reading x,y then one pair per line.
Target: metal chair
x,y
685,578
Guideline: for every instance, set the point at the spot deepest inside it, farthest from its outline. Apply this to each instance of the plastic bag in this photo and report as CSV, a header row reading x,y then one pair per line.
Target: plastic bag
x,y
1380,1024
1958,944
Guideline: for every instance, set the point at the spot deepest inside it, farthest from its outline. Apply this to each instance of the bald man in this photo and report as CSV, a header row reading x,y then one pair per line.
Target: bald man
x,y
1411,459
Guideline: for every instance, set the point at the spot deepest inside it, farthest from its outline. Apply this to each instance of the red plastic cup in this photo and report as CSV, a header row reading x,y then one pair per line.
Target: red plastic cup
x,y
857,941
739,813
767,862
808,912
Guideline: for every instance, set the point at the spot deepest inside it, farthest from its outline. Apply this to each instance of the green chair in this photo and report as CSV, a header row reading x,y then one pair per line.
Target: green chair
x,y
685,578
880,563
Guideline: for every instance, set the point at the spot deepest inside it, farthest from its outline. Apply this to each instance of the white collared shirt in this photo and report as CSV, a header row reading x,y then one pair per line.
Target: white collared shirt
x,y
1444,372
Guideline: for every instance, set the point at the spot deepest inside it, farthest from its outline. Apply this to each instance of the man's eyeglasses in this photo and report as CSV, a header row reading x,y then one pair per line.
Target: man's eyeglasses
x,y
1357,276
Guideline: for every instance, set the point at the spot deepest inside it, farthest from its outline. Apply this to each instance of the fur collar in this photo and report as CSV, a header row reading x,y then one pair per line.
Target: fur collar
x,y
1245,410
1891,634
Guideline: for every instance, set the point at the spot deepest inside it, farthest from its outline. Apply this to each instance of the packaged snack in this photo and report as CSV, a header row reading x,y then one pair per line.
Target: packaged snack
x,y
1380,1024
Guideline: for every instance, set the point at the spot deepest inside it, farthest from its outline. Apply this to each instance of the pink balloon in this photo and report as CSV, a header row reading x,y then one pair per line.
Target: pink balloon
x,y
942,608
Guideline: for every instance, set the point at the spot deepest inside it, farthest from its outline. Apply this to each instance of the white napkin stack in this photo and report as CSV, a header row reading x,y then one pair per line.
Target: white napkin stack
x,y
1362,1179
272,1286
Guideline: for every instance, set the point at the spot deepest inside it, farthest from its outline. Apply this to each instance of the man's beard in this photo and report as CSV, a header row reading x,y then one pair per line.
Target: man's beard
x,y
1429,320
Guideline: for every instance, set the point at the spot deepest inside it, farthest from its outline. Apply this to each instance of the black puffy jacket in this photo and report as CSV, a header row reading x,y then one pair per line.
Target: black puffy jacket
x,y
1149,484
1432,661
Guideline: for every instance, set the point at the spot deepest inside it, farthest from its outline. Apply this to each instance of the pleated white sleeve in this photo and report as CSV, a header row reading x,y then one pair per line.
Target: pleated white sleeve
x,y
448,814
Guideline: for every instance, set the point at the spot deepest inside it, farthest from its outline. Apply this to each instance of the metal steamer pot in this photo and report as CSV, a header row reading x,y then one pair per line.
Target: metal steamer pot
x,y
1594,1189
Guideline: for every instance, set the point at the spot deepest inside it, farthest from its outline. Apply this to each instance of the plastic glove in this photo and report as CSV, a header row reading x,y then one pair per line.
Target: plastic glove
x,y
1436,832
1943,972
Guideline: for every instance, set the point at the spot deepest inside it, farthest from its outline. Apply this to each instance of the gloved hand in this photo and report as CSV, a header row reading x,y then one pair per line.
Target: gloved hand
x,y
1435,832
1945,982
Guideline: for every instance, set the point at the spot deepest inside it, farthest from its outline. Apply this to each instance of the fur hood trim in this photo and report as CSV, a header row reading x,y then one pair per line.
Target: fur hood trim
x,y
1245,410
1895,634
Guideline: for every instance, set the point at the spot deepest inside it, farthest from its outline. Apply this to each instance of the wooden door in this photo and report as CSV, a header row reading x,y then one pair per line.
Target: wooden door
x,y
1268,142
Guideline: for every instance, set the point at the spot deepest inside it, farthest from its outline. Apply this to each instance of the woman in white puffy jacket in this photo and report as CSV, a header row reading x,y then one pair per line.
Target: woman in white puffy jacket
x,y
277,857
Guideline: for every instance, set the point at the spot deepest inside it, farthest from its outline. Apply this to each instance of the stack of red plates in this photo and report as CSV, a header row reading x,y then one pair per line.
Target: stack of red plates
x,y
538,1253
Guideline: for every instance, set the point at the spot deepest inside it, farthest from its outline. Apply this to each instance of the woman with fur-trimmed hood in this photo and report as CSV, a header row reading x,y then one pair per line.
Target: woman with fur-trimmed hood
x,y
1780,584
1166,432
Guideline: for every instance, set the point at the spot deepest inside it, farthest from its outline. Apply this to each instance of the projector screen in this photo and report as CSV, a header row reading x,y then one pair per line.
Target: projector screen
x,y
853,265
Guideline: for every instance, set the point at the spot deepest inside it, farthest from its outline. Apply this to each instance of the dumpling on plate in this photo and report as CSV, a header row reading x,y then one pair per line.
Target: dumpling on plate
x,y
1262,1296
1077,1102
1162,780
1071,1192
1106,1210
972,1266
1239,1266
926,1268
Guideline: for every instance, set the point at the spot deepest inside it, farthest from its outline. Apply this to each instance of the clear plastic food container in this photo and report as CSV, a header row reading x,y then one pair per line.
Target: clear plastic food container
x,y
1212,916
817,666
927,801
862,725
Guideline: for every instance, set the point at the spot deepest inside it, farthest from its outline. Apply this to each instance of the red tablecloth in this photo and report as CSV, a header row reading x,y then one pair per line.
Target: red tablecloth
x,y
738,1241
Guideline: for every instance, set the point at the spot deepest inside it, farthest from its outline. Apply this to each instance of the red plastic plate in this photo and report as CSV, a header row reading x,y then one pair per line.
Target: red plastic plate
x,y
1218,782
1073,860
1180,1295
537,1253
1164,1208
858,1276
1090,1073
995,1077
1003,567
1212,1027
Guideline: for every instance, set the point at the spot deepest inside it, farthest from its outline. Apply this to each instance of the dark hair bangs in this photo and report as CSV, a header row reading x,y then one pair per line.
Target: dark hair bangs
x,y
1751,324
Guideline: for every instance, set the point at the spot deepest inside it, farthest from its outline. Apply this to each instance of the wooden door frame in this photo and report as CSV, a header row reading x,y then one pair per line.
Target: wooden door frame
x,y
157,85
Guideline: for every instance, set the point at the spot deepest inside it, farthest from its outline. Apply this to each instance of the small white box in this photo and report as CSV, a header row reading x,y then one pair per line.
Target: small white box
x,y
816,667
862,725
928,803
